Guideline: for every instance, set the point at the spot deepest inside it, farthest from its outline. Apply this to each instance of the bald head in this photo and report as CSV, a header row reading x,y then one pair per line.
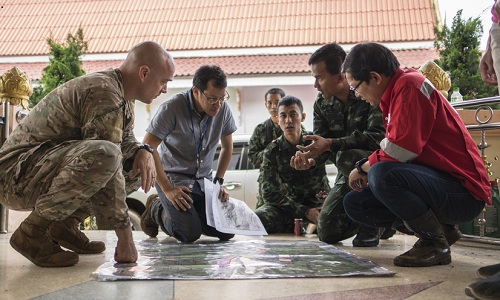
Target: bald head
x,y
147,64
147,53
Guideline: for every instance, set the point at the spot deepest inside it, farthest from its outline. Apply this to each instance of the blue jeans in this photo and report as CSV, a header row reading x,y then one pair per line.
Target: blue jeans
x,y
185,226
408,191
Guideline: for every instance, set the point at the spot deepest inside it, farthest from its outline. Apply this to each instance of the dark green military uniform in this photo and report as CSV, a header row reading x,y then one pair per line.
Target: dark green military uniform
x,y
262,135
360,128
287,193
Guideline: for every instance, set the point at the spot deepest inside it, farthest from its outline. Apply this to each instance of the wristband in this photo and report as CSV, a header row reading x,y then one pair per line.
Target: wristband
x,y
358,165
219,180
146,147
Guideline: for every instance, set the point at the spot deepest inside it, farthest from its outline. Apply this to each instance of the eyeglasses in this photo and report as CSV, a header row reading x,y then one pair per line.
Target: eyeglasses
x,y
354,89
213,100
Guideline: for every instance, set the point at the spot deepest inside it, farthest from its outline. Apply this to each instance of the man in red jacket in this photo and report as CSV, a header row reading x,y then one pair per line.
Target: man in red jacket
x,y
428,171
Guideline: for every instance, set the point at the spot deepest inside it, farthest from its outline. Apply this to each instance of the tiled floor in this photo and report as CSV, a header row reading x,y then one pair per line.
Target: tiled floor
x,y
20,279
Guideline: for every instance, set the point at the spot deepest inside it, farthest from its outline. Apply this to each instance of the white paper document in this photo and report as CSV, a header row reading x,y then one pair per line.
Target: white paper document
x,y
233,216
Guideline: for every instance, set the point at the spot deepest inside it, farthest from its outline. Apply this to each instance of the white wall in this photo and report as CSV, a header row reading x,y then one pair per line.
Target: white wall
x,y
246,103
254,112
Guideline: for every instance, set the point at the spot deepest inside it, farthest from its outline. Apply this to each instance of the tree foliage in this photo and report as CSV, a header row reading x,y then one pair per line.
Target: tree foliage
x,y
64,65
459,55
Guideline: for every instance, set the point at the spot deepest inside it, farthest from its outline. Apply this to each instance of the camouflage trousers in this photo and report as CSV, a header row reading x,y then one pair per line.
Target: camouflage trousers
x,y
279,219
75,175
333,223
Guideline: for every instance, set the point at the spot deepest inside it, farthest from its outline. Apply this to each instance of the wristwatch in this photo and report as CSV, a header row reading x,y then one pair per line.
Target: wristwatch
x,y
337,144
358,165
219,180
146,147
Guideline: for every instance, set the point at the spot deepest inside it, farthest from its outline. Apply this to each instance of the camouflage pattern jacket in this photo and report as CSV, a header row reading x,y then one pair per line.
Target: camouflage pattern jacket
x,y
262,135
283,186
358,124
90,107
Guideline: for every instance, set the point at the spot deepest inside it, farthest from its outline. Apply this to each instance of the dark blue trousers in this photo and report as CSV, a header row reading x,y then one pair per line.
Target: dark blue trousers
x,y
185,226
408,191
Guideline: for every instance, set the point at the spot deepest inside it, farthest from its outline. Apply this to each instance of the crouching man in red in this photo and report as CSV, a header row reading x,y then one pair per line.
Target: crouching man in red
x,y
428,171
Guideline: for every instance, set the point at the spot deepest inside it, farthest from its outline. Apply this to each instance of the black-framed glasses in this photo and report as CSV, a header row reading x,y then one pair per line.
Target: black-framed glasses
x,y
213,100
354,89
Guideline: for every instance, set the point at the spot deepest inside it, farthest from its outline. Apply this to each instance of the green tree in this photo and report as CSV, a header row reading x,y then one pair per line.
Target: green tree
x,y
65,64
459,55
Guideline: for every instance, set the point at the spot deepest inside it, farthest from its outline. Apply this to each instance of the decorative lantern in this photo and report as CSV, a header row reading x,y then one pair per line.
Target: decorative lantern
x,y
437,76
15,87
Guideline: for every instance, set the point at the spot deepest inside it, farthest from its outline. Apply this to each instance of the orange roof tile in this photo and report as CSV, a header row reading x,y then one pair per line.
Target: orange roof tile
x,y
114,26
235,65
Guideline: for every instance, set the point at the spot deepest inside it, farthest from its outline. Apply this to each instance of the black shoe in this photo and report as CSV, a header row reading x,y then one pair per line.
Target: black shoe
x,y
488,271
451,233
488,288
367,236
148,225
387,234
400,226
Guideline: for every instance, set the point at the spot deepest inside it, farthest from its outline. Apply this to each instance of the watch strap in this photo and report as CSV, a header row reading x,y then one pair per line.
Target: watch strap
x,y
359,165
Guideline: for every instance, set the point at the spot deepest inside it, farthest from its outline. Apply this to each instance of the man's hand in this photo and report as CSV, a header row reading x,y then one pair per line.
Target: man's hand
x,y
223,195
357,181
321,196
178,196
144,164
125,251
312,214
300,161
318,145
487,69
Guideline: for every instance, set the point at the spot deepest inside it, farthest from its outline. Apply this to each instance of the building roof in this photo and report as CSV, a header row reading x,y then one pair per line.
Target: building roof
x,y
234,65
244,37
114,26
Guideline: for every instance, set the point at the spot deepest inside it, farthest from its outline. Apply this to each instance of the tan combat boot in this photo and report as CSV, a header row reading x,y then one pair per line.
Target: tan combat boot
x,y
33,241
67,233
148,224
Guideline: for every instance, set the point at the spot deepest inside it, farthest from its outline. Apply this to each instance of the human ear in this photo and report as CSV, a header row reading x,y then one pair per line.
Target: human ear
x,y
143,72
376,77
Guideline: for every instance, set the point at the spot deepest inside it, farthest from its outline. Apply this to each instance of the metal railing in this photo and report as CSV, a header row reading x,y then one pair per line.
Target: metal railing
x,y
482,104
5,120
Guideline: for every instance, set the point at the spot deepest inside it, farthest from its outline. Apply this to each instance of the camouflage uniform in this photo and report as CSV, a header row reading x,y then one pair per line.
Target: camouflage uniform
x,y
71,151
287,193
262,135
361,129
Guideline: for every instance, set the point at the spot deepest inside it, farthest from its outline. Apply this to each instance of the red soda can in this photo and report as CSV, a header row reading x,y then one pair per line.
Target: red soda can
x,y
297,230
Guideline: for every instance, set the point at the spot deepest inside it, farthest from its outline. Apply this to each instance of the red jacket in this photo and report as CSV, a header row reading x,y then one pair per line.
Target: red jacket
x,y
421,127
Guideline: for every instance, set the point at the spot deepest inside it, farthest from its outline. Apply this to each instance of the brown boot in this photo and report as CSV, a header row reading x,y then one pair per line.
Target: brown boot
x,y
430,249
68,234
148,225
33,241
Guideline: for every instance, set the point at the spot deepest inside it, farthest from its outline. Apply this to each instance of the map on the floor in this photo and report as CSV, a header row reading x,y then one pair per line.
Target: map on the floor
x,y
246,259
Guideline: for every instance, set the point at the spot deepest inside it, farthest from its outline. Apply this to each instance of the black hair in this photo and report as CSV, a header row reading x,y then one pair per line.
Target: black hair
x,y
289,100
332,54
209,72
370,57
274,91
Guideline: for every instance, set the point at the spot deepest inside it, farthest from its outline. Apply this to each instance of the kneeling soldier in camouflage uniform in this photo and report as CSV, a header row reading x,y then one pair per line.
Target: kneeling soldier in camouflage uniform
x,y
73,155
348,129
287,193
